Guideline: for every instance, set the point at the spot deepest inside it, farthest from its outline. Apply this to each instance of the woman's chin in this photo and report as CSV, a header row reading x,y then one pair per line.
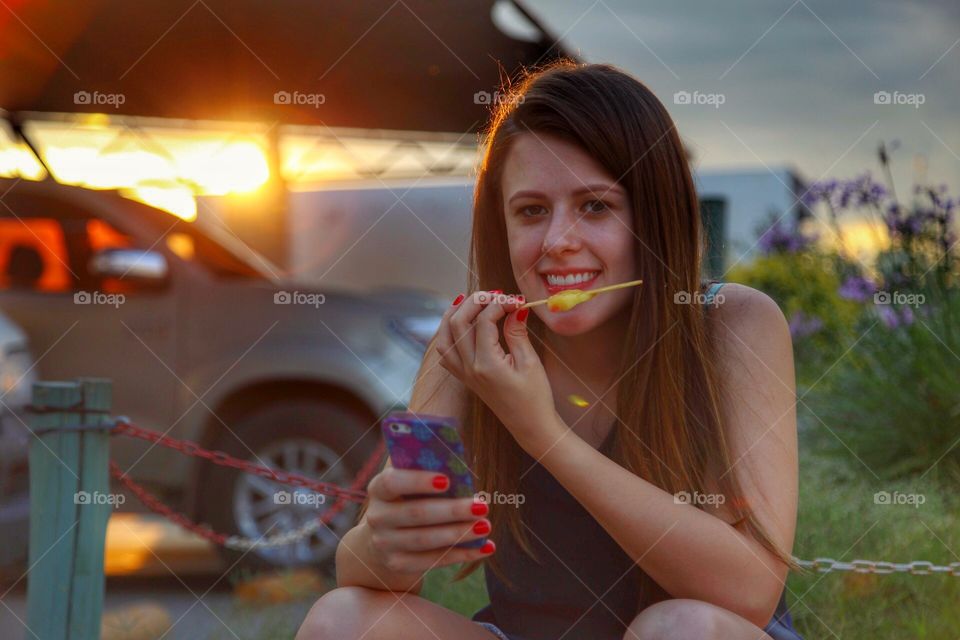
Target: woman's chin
x,y
569,323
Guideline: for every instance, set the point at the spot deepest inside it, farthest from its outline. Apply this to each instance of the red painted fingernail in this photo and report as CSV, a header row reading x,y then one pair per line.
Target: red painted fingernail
x,y
458,300
440,482
488,547
522,314
479,508
481,527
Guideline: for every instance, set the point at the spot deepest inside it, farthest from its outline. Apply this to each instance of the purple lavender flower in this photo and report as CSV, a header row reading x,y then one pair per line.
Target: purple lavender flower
x,y
893,317
857,192
844,197
817,191
857,288
910,224
876,193
780,238
802,325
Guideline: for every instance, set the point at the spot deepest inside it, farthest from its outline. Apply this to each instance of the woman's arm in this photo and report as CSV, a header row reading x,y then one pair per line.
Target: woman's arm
x,y
435,392
689,552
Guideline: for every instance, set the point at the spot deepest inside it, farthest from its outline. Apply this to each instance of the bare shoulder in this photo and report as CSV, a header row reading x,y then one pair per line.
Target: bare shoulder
x,y
735,300
755,357
749,318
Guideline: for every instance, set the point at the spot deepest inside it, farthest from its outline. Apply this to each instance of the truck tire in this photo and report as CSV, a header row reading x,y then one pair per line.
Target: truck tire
x,y
315,438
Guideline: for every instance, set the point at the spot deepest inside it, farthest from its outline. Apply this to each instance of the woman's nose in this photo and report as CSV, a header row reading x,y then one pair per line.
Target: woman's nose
x,y
562,233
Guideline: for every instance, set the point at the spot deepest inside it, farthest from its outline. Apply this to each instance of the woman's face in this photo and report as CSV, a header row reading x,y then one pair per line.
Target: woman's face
x,y
566,216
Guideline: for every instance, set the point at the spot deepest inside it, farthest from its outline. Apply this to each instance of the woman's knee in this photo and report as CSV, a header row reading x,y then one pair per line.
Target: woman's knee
x,y
344,613
677,619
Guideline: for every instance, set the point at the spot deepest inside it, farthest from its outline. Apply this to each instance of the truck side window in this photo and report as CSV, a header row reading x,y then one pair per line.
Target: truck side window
x,y
33,255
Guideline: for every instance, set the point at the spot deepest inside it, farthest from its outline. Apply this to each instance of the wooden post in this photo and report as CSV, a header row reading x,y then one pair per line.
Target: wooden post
x,y
70,504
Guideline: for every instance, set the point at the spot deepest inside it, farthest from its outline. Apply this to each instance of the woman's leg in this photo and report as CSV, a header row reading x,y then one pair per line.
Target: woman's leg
x,y
681,619
351,613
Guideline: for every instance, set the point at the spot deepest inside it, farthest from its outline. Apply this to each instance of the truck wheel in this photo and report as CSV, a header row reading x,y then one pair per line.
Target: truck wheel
x,y
317,439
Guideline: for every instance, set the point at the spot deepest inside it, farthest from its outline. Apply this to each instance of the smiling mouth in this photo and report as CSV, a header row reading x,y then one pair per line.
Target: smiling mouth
x,y
587,280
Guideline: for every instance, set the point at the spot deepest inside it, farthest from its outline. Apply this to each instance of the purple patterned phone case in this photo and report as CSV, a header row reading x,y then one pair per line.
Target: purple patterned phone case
x,y
431,443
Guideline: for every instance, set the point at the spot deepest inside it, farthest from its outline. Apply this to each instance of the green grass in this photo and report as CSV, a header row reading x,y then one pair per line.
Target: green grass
x,y
838,518
465,597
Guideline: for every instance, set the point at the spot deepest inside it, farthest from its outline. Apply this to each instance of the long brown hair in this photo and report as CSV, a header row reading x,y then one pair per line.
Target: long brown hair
x,y
668,373
669,398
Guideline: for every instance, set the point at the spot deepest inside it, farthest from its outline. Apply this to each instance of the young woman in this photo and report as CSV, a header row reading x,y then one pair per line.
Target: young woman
x,y
663,506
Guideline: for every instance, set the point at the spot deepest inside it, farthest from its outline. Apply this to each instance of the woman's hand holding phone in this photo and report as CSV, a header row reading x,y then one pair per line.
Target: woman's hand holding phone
x,y
416,535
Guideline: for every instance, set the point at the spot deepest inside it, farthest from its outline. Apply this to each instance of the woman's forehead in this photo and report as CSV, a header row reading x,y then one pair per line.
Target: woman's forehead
x,y
551,165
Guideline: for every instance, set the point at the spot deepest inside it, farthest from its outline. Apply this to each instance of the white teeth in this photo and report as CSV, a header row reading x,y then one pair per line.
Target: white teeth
x,y
571,278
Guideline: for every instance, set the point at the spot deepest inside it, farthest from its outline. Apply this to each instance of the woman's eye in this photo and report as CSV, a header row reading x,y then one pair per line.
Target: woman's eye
x,y
597,206
535,208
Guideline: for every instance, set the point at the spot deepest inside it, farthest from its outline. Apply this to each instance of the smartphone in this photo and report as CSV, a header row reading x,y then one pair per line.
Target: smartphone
x,y
430,443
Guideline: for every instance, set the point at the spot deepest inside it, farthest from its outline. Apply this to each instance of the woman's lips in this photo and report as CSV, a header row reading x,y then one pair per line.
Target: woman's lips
x,y
552,289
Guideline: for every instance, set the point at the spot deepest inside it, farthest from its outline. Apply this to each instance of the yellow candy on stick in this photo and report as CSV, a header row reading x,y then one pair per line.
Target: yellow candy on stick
x,y
566,300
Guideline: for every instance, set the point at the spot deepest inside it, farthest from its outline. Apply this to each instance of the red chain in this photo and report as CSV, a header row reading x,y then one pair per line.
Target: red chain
x,y
154,504
186,447
353,494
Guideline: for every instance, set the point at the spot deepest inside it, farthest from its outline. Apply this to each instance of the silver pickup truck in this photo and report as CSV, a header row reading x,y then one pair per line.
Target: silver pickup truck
x,y
203,341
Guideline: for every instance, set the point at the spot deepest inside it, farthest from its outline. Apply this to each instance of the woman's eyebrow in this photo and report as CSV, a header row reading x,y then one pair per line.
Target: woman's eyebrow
x,y
599,189
595,189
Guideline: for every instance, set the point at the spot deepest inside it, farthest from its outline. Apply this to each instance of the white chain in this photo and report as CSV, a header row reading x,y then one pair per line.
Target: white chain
x,y
916,567
240,543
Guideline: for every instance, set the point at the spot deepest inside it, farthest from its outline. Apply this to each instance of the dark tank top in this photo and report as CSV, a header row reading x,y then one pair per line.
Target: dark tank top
x,y
581,564
585,586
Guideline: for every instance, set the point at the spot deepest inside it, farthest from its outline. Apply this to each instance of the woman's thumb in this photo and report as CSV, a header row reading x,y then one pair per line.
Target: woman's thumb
x,y
517,339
